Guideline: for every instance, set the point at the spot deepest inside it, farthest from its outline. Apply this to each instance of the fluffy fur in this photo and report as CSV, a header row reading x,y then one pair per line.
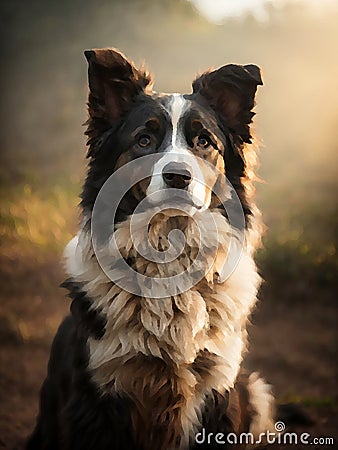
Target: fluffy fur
x,y
132,372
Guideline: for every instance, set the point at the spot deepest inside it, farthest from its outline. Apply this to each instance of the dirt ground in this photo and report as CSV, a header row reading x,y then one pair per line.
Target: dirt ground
x,y
292,343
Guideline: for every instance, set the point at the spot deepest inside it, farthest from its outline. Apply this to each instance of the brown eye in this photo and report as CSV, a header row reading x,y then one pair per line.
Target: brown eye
x,y
144,141
203,141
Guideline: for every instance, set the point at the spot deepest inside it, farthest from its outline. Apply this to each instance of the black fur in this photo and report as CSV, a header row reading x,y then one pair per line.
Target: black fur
x,y
73,414
86,317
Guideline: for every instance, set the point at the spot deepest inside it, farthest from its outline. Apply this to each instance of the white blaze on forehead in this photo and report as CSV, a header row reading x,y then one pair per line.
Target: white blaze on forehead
x,y
177,152
177,107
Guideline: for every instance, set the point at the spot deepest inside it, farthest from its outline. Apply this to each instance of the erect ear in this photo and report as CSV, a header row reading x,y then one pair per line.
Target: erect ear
x,y
230,91
113,83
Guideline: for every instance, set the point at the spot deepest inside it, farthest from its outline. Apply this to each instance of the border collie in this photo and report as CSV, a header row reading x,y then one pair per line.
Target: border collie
x,y
137,367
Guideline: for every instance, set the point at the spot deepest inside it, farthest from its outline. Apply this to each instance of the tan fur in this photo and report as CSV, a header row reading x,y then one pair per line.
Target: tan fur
x,y
212,176
180,333
262,402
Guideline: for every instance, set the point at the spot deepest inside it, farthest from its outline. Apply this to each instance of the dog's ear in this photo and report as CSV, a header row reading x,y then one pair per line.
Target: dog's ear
x,y
113,84
230,91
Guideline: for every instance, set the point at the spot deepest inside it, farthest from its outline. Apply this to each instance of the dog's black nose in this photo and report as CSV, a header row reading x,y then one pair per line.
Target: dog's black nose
x,y
176,175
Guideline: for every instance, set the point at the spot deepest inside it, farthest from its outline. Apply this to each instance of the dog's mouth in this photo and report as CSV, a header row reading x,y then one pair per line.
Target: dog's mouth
x,y
177,202
181,201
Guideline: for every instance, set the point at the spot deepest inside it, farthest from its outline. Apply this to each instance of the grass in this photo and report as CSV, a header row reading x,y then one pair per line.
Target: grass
x,y
300,243
36,222
307,401
37,219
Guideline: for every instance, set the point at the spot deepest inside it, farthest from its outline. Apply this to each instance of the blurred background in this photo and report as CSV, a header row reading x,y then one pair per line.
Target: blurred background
x,y
42,165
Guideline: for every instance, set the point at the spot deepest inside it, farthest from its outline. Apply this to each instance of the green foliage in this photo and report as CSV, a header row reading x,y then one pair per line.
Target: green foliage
x,y
300,243
307,401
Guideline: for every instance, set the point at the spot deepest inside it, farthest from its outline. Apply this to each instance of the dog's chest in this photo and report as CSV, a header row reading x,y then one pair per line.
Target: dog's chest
x,y
163,402
166,353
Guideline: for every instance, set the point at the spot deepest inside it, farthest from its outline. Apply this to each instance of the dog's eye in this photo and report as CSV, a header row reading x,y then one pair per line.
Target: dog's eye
x,y
203,141
144,141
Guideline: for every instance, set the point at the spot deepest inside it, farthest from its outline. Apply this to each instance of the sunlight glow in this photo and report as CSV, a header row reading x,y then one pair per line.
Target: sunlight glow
x,y
218,10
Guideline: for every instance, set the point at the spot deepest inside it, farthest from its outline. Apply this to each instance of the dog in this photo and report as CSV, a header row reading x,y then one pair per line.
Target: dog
x,y
131,369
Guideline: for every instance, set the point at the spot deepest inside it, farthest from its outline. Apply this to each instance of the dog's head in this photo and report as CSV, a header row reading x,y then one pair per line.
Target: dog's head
x,y
188,133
